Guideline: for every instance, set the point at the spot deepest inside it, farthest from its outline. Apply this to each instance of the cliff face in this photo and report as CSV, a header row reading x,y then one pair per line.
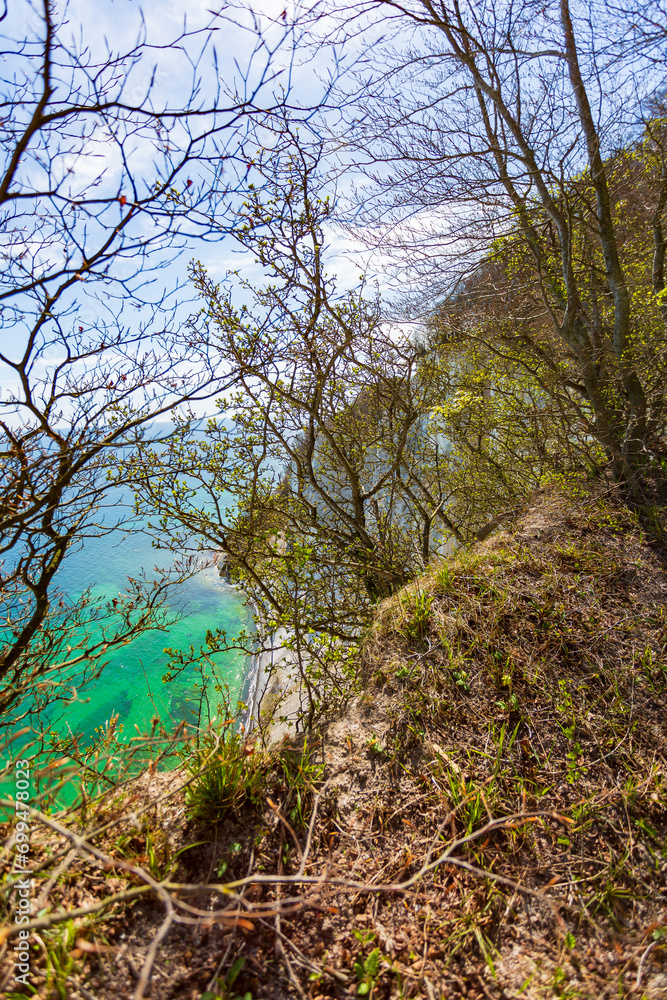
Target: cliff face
x,y
487,819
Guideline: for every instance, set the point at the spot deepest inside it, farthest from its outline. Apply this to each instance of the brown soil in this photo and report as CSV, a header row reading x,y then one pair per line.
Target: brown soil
x,y
488,819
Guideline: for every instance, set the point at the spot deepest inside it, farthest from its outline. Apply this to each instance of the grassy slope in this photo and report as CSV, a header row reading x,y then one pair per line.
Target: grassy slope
x,y
493,806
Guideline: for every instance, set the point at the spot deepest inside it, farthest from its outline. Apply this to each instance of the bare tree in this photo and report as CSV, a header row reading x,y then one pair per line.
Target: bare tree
x,y
498,132
112,163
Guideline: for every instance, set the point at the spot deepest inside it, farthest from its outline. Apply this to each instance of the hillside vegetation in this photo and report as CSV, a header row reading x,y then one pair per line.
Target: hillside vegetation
x,y
471,799
487,818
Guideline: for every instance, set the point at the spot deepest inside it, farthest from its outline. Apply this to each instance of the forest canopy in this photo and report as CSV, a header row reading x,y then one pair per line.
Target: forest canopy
x,y
357,436
525,203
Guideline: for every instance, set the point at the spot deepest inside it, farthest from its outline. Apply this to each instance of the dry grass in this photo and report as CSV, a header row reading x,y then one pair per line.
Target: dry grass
x,y
489,819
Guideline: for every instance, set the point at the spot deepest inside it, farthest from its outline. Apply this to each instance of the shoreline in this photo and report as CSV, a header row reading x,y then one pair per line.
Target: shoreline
x,y
273,688
275,701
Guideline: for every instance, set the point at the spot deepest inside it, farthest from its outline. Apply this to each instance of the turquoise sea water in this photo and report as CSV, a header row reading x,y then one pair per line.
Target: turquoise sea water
x,y
130,685
131,682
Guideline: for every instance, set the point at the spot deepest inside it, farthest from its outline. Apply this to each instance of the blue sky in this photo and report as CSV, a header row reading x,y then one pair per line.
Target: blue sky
x,y
243,50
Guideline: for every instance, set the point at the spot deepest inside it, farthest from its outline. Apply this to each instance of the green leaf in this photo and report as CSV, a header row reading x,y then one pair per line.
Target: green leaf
x,y
373,963
235,971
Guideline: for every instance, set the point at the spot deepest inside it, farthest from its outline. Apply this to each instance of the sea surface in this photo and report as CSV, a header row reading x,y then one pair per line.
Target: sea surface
x,y
131,686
